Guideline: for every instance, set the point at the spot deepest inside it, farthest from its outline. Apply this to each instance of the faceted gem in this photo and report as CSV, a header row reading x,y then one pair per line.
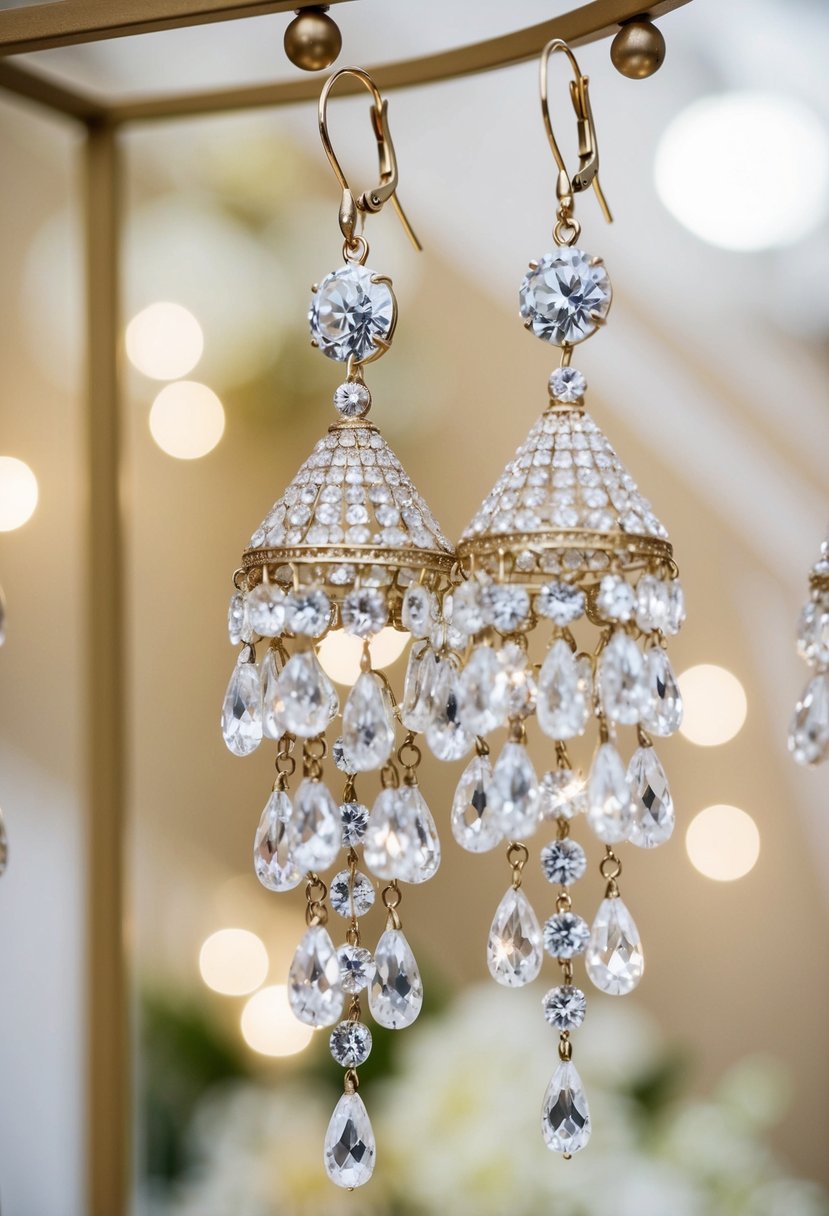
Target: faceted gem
x,y
368,732
483,691
350,1044
563,706
563,862
565,1115
567,385
364,612
446,736
564,296
676,608
425,858
401,840
314,827
349,1144
472,820
809,729
621,680
308,612
419,610
513,953
564,1007
341,757
354,819
242,710
609,802
467,609
351,314
273,726
266,610
356,968
352,399
351,898
614,960
563,794
561,603
522,691
513,793
662,708
314,990
417,708
274,865
615,599
309,699
813,633
653,604
566,935
505,607
653,806
236,619
396,994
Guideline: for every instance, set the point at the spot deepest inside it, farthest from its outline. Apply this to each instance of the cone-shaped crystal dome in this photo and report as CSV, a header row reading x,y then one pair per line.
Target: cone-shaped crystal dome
x,y
564,502
351,503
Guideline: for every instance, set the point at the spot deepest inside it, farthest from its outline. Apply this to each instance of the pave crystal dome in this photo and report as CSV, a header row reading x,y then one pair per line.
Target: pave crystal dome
x,y
350,311
565,296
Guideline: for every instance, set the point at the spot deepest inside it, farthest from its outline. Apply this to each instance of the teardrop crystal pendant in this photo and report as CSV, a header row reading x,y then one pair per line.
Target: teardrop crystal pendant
x,y
242,710
472,821
483,692
314,828
273,723
273,861
396,994
307,695
662,708
614,958
809,729
417,707
653,807
622,686
349,1144
609,803
563,706
446,735
314,989
565,1115
426,858
514,951
368,729
514,793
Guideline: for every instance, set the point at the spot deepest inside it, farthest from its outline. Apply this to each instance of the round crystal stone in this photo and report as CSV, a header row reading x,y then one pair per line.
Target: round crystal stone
x,y
564,1007
418,610
506,607
352,399
266,610
467,610
565,296
567,385
350,899
560,603
236,619
308,612
350,311
356,968
563,862
615,600
350,1044
354,818
566,934
364,612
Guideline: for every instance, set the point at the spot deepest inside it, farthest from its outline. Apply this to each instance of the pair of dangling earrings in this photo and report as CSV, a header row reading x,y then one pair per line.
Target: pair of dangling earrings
x,y
554,608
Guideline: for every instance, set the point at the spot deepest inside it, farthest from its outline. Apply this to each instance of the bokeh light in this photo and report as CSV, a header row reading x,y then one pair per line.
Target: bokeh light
x,y
187,420
269,1026
715,704
18,493
164,341
745,170
340,653
233,962
723,843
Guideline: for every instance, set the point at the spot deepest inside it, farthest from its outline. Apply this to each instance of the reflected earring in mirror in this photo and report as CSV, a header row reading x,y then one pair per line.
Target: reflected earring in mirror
x,y
349,548
570,592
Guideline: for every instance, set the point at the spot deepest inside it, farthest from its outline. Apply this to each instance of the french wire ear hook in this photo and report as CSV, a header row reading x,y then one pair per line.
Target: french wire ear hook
x,y
386,189
587,173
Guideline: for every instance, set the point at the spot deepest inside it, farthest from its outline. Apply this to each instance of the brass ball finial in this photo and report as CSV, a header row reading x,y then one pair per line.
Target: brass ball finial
x,y
638,50
313,40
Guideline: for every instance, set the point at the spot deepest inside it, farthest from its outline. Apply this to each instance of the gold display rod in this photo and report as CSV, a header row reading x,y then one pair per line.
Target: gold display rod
x,y
41,27
34,86
587,23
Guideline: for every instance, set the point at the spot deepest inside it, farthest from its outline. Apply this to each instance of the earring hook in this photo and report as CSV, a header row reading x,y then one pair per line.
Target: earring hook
x,y
587,173
370,200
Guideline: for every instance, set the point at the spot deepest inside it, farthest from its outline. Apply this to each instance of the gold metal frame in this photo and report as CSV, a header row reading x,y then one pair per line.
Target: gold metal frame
x,y
71,22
